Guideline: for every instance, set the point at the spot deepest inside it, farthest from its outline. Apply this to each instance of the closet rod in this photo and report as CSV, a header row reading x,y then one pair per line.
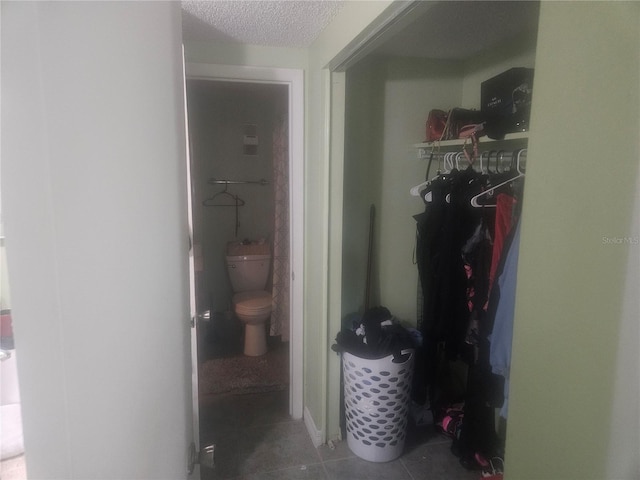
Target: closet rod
x,y
501,154
485,157
215,181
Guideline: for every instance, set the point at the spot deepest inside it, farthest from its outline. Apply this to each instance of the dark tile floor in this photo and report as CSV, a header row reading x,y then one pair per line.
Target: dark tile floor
x,y
257,440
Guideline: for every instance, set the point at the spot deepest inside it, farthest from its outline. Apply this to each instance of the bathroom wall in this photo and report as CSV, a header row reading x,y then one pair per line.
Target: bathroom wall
x,y
218,113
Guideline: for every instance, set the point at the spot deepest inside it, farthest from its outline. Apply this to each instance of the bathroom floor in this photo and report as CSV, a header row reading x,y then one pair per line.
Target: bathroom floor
x,y
237,373
256,439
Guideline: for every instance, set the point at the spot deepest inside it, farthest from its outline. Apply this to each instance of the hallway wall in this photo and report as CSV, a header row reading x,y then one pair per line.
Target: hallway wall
x,y
572,274
94,207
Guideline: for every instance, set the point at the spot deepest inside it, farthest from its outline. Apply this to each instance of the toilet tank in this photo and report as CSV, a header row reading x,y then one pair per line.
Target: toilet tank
x,y
248,272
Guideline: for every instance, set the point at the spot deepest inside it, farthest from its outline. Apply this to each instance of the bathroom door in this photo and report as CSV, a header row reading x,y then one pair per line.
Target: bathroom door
x,y
199,455
193,466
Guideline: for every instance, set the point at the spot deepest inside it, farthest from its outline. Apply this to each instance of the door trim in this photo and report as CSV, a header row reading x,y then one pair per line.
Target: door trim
x,y
294,80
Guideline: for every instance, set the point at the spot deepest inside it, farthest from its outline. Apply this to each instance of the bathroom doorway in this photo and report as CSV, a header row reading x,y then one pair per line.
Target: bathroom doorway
x,y
244,128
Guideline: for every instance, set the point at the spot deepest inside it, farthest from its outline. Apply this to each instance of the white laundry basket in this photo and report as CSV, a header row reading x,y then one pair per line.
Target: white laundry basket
x,y
377,398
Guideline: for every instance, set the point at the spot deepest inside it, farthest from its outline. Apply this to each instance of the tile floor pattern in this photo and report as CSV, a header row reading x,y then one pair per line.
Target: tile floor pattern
x,y
257,440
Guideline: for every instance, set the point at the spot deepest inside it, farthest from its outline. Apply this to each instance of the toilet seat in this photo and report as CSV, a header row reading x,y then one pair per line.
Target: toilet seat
x,y
252,303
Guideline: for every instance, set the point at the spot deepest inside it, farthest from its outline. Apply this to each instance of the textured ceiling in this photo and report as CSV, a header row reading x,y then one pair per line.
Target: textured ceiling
x,y
283,23
439,29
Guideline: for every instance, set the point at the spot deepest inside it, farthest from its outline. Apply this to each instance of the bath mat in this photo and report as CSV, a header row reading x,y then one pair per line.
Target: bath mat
x,y
239,374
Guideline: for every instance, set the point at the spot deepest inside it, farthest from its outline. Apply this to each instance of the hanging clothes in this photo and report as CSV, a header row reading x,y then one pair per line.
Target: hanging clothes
x,y
442,230
460,254
502,332
445,311
476,255
504,218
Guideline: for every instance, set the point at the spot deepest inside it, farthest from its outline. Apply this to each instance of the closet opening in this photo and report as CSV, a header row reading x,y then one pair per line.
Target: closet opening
x,y
439,59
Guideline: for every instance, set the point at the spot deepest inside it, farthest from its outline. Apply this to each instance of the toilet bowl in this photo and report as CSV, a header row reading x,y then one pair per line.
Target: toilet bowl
x,y
249,275
253,309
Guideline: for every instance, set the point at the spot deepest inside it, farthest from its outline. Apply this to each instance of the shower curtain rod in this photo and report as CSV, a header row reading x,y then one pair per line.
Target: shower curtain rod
x,y
215,181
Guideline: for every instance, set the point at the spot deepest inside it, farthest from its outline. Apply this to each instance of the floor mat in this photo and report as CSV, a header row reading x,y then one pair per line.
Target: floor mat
x,y
240,374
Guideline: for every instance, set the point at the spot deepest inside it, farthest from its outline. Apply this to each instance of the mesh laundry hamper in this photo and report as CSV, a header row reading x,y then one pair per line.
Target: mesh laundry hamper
x,y
377,398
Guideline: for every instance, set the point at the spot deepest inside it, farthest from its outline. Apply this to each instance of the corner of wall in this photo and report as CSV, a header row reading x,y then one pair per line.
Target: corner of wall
x,y
317,436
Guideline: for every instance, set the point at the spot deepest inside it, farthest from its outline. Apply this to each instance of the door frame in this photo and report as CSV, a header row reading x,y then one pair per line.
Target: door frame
x,y
294,80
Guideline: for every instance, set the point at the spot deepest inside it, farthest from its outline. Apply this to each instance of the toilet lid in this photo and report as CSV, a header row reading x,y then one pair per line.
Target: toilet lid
x,y
248,302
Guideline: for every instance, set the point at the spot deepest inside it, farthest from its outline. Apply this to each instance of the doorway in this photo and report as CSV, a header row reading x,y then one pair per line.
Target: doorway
x,y
234,115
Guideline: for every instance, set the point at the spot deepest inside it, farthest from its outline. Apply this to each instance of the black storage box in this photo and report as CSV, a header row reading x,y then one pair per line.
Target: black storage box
x,y
506,101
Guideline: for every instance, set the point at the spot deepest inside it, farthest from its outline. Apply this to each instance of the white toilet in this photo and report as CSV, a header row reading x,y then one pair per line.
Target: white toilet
x,y
249,275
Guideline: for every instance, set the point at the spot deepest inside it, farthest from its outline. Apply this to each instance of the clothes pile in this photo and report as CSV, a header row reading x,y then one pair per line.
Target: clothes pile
x,y
377,334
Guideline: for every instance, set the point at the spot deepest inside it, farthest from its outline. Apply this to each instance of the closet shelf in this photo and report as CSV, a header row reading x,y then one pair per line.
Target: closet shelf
x,y
459,142
510,140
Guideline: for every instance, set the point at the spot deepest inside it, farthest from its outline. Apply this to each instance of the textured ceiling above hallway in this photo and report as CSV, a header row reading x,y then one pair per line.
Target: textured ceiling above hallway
x,y
289,23
433,29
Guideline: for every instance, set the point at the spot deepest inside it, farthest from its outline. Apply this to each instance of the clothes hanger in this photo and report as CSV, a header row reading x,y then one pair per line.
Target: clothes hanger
x,y
491,152
223,199
519,153
480,159
489,192
442,160
515,160
449,167
464,155
224,194
449,158
499,158
496,164
452,157
457,157
426,193
415,191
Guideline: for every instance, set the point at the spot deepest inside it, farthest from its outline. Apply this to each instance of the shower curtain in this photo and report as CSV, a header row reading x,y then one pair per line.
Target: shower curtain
x,y
280,292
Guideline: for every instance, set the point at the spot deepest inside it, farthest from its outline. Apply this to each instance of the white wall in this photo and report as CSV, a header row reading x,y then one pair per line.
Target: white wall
x,y
94,204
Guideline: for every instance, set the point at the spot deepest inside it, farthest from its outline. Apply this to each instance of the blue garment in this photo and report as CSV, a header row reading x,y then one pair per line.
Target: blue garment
x,y
502,334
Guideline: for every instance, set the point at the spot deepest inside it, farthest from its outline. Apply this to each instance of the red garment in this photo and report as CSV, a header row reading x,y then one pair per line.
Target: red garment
x,y
504,221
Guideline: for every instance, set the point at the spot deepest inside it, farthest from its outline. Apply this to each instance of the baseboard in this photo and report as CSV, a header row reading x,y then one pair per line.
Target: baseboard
x,y
314,433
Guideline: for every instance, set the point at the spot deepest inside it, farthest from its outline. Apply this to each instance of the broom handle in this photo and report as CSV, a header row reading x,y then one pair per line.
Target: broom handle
x,y
367,294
